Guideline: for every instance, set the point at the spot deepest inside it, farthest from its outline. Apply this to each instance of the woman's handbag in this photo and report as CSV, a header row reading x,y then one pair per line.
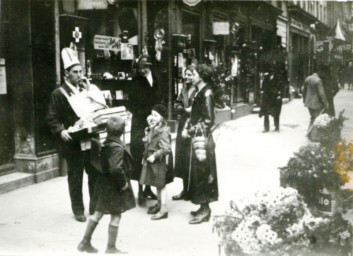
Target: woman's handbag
x,y
199,142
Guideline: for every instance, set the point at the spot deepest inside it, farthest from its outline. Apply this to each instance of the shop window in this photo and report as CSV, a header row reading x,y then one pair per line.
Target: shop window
x,y
112,42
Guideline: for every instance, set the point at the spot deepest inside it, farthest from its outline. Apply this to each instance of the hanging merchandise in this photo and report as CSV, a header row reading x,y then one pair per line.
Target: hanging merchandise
x,y
127,52
159,36
234,71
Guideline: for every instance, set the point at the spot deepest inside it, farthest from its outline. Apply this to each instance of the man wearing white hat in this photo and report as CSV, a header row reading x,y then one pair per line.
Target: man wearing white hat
x,y
61,115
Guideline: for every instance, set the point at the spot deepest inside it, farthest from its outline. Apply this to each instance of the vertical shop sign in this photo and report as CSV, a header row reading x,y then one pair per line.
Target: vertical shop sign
x,y
3,86
221,28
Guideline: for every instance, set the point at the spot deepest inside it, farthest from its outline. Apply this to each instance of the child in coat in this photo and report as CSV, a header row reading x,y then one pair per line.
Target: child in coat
x,y
154,163
113,193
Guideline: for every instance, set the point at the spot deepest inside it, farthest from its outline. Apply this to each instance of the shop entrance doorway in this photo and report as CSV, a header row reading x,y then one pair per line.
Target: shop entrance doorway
x,y
191,26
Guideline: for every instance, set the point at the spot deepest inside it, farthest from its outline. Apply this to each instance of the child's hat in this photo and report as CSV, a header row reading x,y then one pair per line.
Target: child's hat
x,y
161,109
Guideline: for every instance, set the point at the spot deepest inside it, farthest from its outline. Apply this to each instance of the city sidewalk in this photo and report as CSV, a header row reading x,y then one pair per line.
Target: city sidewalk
x,y
37,220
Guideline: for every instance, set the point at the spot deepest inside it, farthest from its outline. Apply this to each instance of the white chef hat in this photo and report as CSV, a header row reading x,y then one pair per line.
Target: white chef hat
x,y
69,58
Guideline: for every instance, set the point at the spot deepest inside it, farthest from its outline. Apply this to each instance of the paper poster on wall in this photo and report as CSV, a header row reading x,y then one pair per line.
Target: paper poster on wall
x,y
221,28
3,86
106,43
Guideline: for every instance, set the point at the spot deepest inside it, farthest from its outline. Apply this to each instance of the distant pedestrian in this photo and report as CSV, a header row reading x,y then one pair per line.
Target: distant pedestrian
x,y
154,163
202,186
314,96
341,78
113,194
272,93
331,88
182,145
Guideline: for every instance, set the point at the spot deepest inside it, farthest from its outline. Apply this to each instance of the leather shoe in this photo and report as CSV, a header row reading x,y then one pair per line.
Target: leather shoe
x,y
180,196
149,194
160,215
85,246
80,217
198,211
141,200
154,209
202,217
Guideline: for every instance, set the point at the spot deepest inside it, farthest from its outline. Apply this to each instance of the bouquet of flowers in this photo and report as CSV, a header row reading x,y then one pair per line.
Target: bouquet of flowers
x,y
327,129
278,222
275,222
322,121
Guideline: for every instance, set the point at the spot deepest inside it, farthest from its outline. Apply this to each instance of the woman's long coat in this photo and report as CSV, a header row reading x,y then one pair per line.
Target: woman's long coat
x,y
182,145
142,98
272,90
157,143
202,113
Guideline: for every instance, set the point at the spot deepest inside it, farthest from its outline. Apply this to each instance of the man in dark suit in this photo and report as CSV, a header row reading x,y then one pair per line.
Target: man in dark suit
x,y
61,116
272,93
331,88
314,96
145,92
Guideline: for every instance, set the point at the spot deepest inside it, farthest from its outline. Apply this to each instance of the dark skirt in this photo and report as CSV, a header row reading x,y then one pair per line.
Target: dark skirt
x,y
109,199
137,147
182,153
199,190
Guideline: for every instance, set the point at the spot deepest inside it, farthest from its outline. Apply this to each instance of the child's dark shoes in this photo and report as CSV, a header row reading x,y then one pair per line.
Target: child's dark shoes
x,y
85,246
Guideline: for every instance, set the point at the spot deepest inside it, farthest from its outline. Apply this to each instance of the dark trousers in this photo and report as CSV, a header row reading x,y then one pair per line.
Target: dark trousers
x,y
267,122
314,113
76,163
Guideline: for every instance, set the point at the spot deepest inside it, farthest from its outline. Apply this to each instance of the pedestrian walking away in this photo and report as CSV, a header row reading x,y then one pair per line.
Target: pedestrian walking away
x,y
202,177
331,88
154,164
314,96
75,99
113,194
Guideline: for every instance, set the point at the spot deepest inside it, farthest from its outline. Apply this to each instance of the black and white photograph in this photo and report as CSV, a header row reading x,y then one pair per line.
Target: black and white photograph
x,y
176,127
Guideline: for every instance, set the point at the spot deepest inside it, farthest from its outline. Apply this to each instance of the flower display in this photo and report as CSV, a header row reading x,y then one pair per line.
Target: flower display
x,y
222,83
277,222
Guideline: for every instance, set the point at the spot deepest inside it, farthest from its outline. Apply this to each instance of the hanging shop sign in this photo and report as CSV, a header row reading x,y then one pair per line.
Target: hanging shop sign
x,y
92,4
3,86
221,28
107,43
299,25
191,3
77,34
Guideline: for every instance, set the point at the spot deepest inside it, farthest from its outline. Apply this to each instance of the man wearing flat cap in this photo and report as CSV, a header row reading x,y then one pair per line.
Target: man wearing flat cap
x,y
62,114
145,93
